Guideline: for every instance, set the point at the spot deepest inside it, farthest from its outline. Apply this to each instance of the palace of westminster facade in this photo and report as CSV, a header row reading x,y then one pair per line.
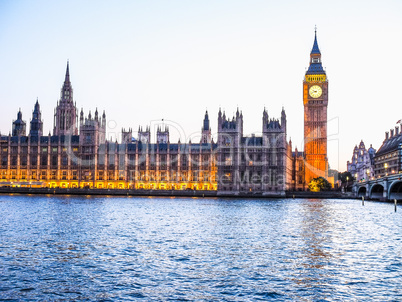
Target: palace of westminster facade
x,y
78,155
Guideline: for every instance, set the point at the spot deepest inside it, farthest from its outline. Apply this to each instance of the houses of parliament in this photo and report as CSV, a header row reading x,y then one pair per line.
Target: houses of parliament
x,y
78,155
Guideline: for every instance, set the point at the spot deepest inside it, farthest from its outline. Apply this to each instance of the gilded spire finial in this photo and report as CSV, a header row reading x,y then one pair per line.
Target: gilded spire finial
x,y
67,78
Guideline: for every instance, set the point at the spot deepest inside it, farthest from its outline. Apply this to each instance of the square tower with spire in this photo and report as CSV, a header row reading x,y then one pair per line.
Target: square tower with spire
x,y
315,101
65,115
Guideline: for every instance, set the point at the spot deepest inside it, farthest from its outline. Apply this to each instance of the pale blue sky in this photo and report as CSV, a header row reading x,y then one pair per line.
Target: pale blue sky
x,y
142,61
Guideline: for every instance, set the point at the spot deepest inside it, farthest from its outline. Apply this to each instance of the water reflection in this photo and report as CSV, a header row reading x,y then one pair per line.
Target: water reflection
x,y
55,248
314,255
316,222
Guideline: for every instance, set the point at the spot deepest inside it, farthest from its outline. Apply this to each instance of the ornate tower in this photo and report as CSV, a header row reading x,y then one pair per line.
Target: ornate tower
x,y
230,134
315,101
144,136
65,115
126,136
162,136
206,130
19,126
36,122
92,129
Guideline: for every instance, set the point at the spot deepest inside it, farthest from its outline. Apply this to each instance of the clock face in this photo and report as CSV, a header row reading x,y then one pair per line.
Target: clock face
x,y
315,91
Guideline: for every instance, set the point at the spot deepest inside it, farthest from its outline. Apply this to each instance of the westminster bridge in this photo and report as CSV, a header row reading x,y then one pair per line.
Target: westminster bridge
x,y
382,188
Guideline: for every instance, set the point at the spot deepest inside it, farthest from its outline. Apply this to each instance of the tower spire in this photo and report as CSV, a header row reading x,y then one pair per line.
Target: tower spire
x,y
67,90
66,112
206,130
67,79
315,49
315,58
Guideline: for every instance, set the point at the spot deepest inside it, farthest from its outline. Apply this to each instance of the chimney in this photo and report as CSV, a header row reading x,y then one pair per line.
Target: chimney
x,y
386,135
392,132
396,130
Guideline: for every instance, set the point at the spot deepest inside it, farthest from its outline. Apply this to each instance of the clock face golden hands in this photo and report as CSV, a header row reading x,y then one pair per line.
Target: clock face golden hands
x,y
315,91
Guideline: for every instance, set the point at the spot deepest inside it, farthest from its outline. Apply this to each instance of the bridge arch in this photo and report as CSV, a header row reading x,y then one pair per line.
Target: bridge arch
x,y
377,191
395,190
362,191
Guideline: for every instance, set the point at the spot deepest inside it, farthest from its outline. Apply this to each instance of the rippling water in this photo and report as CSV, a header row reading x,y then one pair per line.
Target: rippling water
x,y
91,248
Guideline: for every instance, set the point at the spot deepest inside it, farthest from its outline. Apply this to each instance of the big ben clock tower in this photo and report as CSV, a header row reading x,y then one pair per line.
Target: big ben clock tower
x,y
315,101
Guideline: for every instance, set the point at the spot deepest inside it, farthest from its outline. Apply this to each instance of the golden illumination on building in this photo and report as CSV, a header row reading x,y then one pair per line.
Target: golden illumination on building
x,y
316,78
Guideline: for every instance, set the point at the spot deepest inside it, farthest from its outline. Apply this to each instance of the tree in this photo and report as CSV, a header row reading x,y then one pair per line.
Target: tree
x,y
319,184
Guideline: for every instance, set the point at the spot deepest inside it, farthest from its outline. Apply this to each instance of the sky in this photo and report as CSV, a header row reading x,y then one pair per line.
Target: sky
x,y
147,61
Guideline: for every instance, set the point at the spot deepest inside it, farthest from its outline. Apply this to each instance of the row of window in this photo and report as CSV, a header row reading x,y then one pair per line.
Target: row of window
x,y
393,154
34,149
110,175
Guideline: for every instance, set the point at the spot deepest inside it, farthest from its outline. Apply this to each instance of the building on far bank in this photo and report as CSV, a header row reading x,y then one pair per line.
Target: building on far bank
x,y
78,155
253,164
388,159
362,164
298,182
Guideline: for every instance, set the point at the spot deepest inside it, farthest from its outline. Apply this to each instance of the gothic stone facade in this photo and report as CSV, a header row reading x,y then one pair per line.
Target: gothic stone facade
x,y
253,164
78,155
362,164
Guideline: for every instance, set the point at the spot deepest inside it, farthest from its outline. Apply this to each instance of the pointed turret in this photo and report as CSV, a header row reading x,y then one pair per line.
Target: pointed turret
x,y
283,120
315,49
206,122
264,117
206,130
36,108
36,122
82,116
104,120
315,59
19,126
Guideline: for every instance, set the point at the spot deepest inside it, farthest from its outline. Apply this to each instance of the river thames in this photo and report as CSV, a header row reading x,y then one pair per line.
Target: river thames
x,y
120,249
